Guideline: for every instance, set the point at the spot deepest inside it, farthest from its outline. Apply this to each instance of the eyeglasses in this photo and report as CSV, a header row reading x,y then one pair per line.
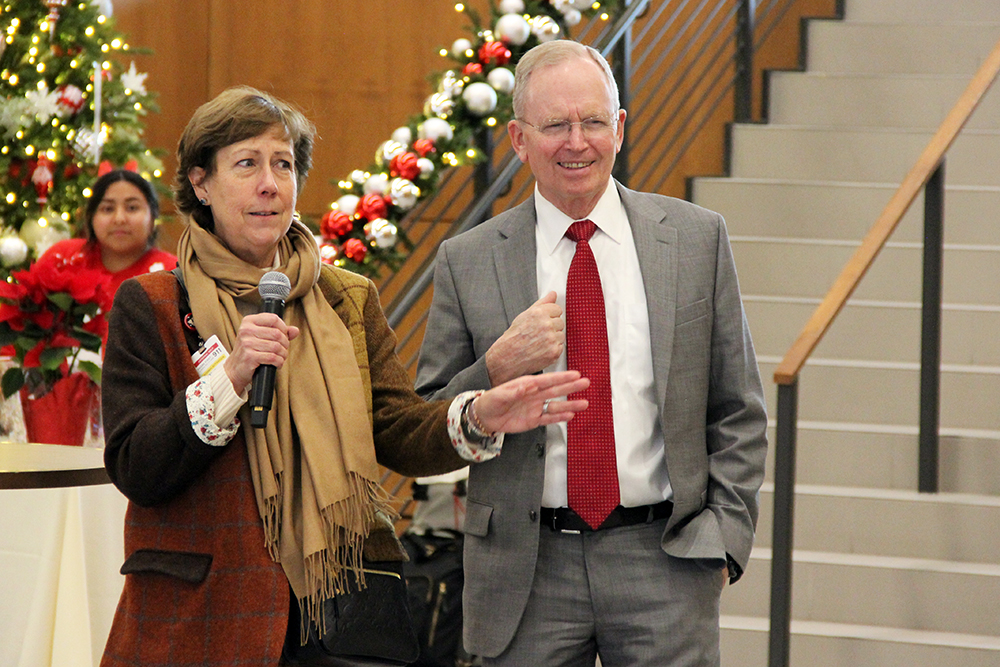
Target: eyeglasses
x,y
561,129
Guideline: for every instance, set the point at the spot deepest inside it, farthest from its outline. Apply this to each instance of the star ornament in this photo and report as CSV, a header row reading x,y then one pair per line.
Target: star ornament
x,y
134,81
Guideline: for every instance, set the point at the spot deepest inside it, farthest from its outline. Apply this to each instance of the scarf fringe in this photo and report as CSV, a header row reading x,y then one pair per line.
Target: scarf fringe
x,y
339,568
271,517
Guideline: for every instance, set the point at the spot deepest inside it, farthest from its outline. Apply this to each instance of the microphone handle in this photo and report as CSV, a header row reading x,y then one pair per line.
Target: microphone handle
x,y
262,389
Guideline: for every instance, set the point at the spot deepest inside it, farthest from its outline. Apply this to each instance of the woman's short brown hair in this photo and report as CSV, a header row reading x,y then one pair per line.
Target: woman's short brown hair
x,y
235,115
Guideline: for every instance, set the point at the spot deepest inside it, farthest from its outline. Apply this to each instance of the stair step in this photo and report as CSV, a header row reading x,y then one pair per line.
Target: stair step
x,y
817,644
808,268
885,393
842,210
878,155
968,334
922,11
885,457
889,522
900,48
912,593
873,100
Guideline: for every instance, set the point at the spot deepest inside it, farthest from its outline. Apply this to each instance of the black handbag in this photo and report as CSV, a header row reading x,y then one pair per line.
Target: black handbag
x,y
366,623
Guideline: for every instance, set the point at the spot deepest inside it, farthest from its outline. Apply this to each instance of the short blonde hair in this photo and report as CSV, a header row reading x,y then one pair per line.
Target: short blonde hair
x,y
554,53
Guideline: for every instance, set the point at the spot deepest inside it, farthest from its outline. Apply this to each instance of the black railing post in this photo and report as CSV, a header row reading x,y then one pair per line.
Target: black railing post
x,y
484,172
743,85
621,60
781,542
930,333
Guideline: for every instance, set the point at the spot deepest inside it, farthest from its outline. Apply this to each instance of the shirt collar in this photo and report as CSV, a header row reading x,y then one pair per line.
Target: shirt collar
x,y
607,214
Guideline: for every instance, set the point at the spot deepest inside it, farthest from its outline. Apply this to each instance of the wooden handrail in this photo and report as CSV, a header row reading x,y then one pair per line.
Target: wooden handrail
x,y
887,222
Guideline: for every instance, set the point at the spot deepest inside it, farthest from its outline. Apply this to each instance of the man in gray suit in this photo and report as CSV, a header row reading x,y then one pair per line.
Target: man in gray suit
x,y
546,583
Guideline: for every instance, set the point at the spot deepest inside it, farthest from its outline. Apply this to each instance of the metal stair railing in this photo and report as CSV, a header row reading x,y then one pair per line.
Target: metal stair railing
x,y
926,174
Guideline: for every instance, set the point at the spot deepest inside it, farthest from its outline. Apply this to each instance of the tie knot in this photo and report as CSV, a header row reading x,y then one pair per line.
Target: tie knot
x,y
581,230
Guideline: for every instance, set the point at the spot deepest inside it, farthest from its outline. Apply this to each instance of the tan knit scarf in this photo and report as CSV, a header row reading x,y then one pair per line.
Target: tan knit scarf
x,y
313,466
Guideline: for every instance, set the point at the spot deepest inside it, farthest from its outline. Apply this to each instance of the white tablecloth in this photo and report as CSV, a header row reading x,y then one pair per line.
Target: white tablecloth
x,y
60,551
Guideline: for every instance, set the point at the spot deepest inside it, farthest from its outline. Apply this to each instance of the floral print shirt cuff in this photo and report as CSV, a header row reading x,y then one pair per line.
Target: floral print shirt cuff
x,y
471,444
202,411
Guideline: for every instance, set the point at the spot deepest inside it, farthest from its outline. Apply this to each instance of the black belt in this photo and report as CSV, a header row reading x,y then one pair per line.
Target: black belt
x,y
565,519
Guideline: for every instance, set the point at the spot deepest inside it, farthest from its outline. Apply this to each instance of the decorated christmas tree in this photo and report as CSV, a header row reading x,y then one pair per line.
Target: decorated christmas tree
x,y
70,100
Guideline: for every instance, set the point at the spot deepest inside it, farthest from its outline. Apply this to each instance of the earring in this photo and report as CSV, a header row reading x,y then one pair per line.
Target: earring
x,y
203,201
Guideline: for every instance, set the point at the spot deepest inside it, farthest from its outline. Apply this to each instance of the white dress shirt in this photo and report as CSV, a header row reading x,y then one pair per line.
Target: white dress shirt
x,y
642,467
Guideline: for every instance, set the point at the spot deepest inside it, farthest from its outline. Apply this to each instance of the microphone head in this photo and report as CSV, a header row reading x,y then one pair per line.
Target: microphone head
x,y
274,285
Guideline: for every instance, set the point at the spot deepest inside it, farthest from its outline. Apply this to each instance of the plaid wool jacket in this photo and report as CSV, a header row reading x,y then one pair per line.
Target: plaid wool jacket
x,y
200,587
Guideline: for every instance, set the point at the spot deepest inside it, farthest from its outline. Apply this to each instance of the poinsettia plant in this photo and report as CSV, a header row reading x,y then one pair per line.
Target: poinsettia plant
x,y
49,313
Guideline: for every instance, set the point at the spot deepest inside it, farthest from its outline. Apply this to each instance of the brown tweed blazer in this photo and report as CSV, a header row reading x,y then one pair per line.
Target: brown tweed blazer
x,y
200,588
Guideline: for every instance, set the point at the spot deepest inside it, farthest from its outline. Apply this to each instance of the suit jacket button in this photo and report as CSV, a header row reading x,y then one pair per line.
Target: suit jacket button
x,y
533,515
540,450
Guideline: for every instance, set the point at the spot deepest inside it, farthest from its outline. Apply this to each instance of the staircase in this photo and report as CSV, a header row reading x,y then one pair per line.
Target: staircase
x,y
883,576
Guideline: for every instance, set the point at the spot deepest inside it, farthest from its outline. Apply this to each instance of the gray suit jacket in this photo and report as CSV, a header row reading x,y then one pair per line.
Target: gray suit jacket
x,y
711,403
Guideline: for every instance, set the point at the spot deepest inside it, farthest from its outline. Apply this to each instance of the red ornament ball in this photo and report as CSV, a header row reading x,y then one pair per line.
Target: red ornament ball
x,y
472,68
405,165
335,224
355,250
372,206
423,146
494,53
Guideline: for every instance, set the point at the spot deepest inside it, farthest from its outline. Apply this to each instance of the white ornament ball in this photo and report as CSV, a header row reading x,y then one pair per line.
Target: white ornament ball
x,y
402,135
426,166
459,47
450,84
31,232
581,4
377,183
348,204
384,233
404,193
480,98
439,104
358,176
512,29
572,17
388,150
13,251
502,80
511,6
545,28
435,129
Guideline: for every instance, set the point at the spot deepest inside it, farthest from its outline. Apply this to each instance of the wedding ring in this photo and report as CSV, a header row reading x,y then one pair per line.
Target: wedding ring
x,y
545,406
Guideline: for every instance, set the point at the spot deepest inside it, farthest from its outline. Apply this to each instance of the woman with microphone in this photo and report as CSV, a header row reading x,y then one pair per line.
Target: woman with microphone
x,y
233,530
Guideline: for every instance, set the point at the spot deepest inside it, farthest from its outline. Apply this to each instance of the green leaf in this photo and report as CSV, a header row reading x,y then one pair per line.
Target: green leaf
x,y
12,380
52,357
62,300
91,369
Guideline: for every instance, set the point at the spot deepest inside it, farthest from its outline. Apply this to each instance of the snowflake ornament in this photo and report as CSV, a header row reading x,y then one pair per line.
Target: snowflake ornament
x,y
44,104
133,80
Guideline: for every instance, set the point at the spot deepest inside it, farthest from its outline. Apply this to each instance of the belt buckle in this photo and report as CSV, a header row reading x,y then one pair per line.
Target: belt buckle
x,y
555,522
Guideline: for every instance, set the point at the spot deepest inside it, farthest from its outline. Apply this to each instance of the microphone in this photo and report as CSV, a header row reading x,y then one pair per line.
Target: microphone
x,y
274,288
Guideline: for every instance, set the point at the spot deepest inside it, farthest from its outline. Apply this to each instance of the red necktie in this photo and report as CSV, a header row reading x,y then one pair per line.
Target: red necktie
x,y
592,469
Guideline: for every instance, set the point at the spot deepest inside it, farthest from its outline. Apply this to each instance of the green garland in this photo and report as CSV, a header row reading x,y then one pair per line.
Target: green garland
x,y
362,231
48,57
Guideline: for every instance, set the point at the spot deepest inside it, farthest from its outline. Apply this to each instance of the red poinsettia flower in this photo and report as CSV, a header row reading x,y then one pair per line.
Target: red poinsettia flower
x,y
48,314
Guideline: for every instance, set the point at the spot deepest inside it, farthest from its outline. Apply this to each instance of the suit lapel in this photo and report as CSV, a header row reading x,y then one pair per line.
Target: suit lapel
x,y
656,246
514,258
